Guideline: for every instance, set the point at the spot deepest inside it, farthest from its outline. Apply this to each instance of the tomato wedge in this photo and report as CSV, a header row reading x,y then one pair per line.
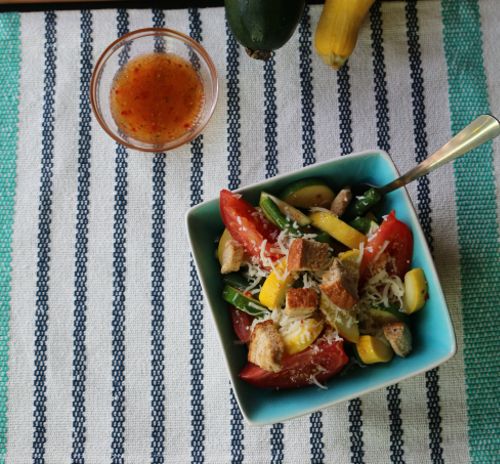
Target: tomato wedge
x,y
391,246
247,225
241,324
323,360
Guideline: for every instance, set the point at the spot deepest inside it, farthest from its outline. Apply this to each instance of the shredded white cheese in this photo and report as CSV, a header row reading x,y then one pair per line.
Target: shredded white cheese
x,y
315,381
254,271
309,236
382,289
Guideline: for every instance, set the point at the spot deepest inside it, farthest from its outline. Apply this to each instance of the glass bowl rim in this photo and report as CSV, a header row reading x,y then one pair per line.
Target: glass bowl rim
x,y
147,32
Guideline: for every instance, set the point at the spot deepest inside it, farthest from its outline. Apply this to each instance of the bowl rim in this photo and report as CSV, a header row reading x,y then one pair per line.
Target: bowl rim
x,y
147,32
428,258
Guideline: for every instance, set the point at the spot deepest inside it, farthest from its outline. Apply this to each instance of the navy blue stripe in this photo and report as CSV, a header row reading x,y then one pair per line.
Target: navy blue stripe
x,y
345,120
237,447
356,431
158,18
43,254
157,323
424,208
277,444
196,296
309,157
270,118
119,268
157,293
233,111
383,140
159,21
345,112
306,89
82,229
316,438
234,167
196,337
271,134
382,106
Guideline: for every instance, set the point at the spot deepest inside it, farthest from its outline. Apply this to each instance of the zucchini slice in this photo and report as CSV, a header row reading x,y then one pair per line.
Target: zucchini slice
x,y
242,302
308,193
383,315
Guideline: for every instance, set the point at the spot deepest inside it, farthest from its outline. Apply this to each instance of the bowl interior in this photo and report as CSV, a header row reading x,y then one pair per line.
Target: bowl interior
x,y
434,340
142,42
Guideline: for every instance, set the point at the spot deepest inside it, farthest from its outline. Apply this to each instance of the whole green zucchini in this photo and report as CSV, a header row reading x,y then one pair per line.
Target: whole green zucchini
x,y
262,26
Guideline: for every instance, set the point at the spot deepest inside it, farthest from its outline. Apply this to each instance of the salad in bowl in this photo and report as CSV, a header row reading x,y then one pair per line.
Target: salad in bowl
x,y
315,282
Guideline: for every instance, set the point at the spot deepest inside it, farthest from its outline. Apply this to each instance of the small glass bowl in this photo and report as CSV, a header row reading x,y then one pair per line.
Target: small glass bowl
x,y
141,42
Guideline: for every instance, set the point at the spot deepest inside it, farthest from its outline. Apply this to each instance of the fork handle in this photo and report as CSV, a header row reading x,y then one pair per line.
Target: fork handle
x,y
479,131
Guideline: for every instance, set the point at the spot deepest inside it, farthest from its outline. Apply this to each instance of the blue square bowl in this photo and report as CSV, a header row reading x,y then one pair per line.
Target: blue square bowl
x,y
434,339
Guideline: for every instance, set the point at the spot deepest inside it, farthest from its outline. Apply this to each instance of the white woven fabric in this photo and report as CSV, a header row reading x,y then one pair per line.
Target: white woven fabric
x,y
217,444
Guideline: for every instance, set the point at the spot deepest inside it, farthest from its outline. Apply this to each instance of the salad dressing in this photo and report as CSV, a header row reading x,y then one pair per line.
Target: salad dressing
x,y
156,98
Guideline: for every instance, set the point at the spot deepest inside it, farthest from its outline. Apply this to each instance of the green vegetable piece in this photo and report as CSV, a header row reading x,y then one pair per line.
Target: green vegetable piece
x,y
323,237
274,214
383,315
242,302
362,204
289,211
263,25
236,280
362,224
308,193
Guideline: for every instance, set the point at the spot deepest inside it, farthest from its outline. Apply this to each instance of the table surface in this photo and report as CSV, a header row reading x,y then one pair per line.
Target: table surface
x,y
107,349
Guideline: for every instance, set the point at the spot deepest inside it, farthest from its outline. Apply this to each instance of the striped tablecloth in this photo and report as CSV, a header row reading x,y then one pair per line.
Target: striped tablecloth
x,y
107,350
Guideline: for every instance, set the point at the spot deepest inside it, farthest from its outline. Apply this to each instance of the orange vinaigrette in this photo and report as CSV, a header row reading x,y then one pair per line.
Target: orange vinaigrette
x,y
156,98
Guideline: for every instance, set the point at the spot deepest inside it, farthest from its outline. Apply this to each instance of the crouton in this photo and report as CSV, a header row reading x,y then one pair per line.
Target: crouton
x,y
301,302
340,285
399,336
341,202
266,346
231,257
308,255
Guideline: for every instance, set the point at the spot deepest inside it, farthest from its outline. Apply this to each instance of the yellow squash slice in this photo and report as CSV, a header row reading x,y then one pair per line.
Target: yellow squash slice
x,y
415,291
301,334
273,291
338,229
372,350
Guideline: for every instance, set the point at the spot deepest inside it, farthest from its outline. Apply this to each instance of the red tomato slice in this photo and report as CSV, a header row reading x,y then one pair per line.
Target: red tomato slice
x,y
322,360
247,225
399,248
241,324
